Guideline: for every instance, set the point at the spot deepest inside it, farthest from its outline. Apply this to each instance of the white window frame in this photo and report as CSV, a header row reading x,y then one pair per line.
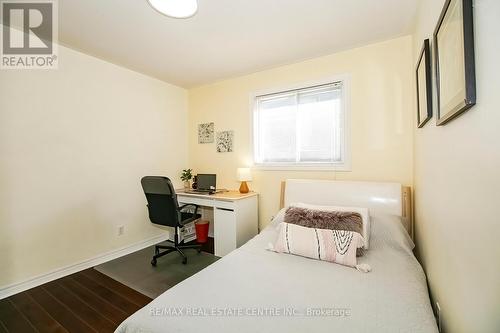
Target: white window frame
x,y
345,164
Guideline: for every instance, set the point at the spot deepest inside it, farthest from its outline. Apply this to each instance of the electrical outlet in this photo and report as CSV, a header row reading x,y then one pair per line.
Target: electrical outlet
x,y
121,230
438,317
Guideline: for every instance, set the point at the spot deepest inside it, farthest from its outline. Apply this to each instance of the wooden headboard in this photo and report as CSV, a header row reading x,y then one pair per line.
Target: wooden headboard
x,y
406,206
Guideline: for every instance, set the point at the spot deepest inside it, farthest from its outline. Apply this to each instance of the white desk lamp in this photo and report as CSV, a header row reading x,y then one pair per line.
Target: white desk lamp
x,y
244,176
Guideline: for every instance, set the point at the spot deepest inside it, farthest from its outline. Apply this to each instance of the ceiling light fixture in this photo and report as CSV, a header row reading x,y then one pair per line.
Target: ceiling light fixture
x,y
175,8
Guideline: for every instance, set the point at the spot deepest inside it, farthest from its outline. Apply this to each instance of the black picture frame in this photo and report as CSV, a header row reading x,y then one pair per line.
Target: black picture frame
x,y
467,97
424,108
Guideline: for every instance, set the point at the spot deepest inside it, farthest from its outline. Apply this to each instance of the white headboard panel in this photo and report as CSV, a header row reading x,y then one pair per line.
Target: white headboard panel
x,y
377,197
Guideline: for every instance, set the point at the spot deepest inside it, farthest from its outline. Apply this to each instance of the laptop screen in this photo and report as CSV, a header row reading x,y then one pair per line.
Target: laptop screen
x,y
206,181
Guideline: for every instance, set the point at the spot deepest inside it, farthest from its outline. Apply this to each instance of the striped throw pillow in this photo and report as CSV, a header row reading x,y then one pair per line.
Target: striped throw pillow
x,y
337,246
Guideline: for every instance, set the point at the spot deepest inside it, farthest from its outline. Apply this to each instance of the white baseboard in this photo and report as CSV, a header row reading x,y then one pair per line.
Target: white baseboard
x,y
6,291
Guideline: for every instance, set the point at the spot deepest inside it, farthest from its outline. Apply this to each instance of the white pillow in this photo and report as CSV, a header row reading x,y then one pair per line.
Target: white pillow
x,y
365,215
389,228
278,218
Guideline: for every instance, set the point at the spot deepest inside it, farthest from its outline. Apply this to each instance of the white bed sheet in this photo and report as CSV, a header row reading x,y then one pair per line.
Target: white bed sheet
x,y
391,298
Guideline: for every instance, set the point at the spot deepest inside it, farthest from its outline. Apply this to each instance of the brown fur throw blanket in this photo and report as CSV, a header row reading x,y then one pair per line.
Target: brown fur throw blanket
x,y
312,218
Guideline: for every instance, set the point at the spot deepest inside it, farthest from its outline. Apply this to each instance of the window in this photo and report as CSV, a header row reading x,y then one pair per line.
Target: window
x,y
302,127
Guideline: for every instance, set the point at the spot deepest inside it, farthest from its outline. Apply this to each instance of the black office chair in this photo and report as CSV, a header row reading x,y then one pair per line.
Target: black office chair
x,y
164,210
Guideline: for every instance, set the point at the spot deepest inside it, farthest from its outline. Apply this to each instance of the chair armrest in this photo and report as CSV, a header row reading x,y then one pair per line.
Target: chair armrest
x,y
192,205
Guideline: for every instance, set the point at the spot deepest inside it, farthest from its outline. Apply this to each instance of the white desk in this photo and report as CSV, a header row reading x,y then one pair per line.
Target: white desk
x,y
235,217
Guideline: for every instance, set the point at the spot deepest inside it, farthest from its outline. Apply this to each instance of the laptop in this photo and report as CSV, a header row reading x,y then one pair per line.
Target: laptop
x,y
207,183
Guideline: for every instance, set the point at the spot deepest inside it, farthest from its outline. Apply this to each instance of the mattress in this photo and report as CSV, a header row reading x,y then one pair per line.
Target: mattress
x,y
255,290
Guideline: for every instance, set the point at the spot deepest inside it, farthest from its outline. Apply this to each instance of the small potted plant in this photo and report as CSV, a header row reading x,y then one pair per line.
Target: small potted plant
x,y
186,176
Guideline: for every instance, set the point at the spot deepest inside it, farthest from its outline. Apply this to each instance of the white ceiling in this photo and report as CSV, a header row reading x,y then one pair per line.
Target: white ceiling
x,y
226,38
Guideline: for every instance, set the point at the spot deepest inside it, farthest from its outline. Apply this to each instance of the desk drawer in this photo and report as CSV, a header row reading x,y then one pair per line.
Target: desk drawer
x,y
207,202
228,205
197,201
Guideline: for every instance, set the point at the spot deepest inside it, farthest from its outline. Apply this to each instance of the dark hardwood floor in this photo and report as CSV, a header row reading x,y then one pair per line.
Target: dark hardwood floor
x,y
87,301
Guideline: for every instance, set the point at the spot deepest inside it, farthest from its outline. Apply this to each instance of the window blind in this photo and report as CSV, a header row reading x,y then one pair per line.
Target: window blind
x,y
302,126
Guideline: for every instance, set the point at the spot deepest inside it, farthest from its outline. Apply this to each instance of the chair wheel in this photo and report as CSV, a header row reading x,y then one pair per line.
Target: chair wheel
x,y
153,262
184,261
199,250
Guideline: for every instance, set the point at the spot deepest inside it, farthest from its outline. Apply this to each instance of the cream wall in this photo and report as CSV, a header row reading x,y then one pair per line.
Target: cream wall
x,y
457,186
74,143
381,118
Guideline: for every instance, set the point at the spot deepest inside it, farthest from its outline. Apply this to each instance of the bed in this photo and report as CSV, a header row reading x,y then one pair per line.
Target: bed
x,y
255,290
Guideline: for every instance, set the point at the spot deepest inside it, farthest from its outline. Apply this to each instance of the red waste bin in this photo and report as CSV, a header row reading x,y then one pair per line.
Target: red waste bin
x,y
201,231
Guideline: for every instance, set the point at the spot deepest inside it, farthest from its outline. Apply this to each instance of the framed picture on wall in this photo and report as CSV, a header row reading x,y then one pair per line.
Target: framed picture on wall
x,y
424,85
454,60
206,133
225,141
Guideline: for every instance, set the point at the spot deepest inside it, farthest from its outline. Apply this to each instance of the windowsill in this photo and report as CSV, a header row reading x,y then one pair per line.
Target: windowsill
x,y
302,167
